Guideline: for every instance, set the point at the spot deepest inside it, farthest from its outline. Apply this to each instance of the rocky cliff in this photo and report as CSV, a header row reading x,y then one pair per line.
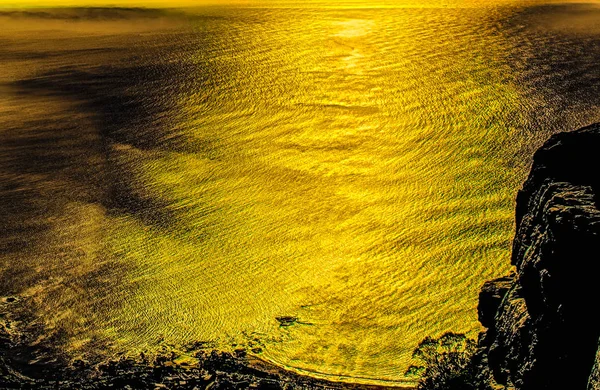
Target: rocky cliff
x,y
542,327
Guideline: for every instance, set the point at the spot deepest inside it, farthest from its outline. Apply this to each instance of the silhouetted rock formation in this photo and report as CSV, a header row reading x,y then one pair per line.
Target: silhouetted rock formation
x,y
542,331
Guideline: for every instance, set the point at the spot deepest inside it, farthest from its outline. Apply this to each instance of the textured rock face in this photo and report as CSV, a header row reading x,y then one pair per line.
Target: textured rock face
x,y
542,330
594,382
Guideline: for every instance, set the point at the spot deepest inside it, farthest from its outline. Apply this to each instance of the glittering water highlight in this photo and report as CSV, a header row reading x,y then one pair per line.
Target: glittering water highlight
x,y
175,177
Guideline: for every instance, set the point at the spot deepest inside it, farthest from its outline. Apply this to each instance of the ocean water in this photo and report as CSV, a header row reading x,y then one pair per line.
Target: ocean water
x,y
170,177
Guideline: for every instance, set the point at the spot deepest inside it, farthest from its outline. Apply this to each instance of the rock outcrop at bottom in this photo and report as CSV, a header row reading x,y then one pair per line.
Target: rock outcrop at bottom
x,y
542,329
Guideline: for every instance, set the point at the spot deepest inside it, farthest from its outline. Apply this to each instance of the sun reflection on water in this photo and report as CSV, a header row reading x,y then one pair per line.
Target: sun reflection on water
x,y
354,168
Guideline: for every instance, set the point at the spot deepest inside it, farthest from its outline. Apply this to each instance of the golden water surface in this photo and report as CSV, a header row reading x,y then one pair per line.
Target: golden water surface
x,y
171,177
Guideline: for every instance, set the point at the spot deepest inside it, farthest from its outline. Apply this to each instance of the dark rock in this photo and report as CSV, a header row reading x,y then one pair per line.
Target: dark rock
x,y
286,320
491,295
540,332
266,384
240,352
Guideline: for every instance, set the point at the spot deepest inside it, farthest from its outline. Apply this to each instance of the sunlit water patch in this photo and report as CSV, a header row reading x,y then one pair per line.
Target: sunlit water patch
x,y
352,168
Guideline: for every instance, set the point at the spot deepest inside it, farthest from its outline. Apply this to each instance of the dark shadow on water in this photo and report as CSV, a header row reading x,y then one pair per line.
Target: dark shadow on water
x,y
90,13
81,149
554,59
126,109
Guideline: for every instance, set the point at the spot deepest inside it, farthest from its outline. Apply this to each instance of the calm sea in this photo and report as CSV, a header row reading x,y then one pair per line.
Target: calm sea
x,y
171,177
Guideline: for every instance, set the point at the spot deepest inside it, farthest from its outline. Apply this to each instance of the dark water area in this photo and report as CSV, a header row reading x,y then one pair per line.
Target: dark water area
x,y
169,177
554,48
